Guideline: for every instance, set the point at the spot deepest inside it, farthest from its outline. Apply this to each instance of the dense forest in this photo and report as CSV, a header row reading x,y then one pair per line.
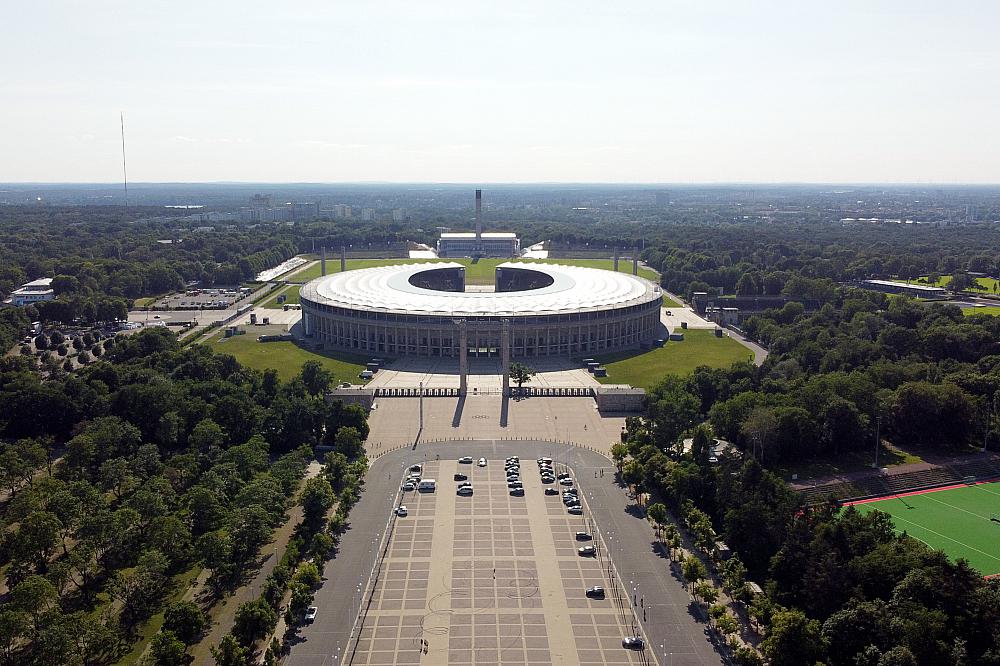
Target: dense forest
x,y
131,475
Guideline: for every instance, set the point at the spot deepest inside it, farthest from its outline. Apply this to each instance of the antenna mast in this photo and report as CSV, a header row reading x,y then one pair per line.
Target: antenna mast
x,y
124,169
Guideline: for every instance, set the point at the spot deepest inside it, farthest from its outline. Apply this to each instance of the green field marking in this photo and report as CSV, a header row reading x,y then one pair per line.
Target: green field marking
x,y
956,520
286,357
292,294
645,369
478,272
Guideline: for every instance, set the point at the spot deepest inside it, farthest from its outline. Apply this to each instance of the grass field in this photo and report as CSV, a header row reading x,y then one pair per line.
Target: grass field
x,y
671,303
291,292
989,309
956,520
986,283
699,347
479,272
286,357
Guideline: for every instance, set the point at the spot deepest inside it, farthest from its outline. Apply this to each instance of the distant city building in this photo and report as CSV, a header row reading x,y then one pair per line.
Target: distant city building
x,y
342,212
305,211
33,292
398,215
368,214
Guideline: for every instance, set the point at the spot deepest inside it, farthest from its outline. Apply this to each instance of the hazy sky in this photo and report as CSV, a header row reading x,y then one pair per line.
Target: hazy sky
x,y
511,91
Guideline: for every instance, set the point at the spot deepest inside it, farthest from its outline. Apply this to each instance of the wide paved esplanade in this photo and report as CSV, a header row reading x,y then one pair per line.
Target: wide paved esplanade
x,y
531,310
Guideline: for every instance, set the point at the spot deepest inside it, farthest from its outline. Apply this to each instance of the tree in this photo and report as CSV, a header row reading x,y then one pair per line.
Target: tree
x,y
705,591
794,640
317,497
167,649
14,628
348,442
230,652
185,619
619,452
693,569
521,373
316,378
759,429
734,574
253,621
34,596
658,514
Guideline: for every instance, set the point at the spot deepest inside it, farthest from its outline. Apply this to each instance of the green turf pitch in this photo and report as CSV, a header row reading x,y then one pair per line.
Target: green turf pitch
x,y
956,521
476,272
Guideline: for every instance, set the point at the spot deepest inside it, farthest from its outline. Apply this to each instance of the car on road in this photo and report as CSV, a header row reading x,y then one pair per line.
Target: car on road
x,y
596,592
575,510
517,492
311,613
409,485
566,481
465,460
586,551
465,491
401,511
584,536
461,477
416,468
633,643
482,462
551,491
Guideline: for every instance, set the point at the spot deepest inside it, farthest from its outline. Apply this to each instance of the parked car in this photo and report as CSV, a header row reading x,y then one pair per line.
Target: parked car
x,y
465,491
461,477
575,510
566,481
517,492
586,551
551,491
465,460
584,536
311,613
482,462
596,592
633,643
408,486
401,511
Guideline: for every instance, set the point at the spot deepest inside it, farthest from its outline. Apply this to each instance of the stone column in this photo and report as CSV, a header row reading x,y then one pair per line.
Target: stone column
x,y
463,358
505,354
616,259
322,260
343,258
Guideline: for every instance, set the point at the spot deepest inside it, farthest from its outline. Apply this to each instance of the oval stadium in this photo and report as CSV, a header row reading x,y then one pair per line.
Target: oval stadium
x,y
426,310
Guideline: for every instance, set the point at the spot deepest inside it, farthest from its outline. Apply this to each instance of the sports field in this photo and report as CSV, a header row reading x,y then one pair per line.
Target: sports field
x,y
476,272
956,520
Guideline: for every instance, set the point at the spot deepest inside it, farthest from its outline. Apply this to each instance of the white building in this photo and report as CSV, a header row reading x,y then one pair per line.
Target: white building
x,y
33,292
368,214
489,244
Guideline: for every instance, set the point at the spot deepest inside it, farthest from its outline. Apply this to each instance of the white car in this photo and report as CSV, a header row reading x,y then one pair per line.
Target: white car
x,y
409,486
401,511
311,613
465,490
566,482
465,460
482,462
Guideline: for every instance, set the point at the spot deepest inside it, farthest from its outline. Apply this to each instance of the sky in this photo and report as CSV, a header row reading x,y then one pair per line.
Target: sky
x,y
661,91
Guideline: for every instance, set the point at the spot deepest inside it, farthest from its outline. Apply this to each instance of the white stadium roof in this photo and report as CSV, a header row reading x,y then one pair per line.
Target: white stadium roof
x,y
387,288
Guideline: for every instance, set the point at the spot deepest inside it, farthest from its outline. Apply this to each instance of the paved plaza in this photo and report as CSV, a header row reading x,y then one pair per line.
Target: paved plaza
x,y
491,579
396,421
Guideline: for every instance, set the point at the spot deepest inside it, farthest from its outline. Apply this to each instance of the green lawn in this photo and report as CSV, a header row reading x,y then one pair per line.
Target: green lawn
x,y
989,309
291,292
286,357
956,521
144,302
986,283
699,347
671,303
479,272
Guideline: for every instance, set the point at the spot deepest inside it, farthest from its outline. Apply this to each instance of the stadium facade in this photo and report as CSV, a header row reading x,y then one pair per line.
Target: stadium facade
x,y
535,310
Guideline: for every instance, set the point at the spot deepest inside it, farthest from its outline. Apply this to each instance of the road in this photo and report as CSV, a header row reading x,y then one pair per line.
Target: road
x,y
670,619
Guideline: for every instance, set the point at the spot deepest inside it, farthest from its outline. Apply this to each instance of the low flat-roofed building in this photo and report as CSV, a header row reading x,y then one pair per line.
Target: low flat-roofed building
x,y
916,290
33,292
490,244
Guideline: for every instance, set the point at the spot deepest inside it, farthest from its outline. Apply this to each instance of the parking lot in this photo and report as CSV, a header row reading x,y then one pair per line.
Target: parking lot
x,y
491,578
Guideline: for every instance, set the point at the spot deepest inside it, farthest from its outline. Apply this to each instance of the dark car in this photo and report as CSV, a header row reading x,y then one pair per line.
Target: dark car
x,y
551,491
633,643
461,477
596,592
584,536
517,492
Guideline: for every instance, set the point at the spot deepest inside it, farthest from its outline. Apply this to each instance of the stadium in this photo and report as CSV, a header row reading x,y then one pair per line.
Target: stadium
x,y
426,310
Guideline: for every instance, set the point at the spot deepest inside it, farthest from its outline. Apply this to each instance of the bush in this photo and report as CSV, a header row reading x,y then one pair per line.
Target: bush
x,y
84,358
77,343
88,339
68,365
41,342
97,351
62,350
26,351
57,338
